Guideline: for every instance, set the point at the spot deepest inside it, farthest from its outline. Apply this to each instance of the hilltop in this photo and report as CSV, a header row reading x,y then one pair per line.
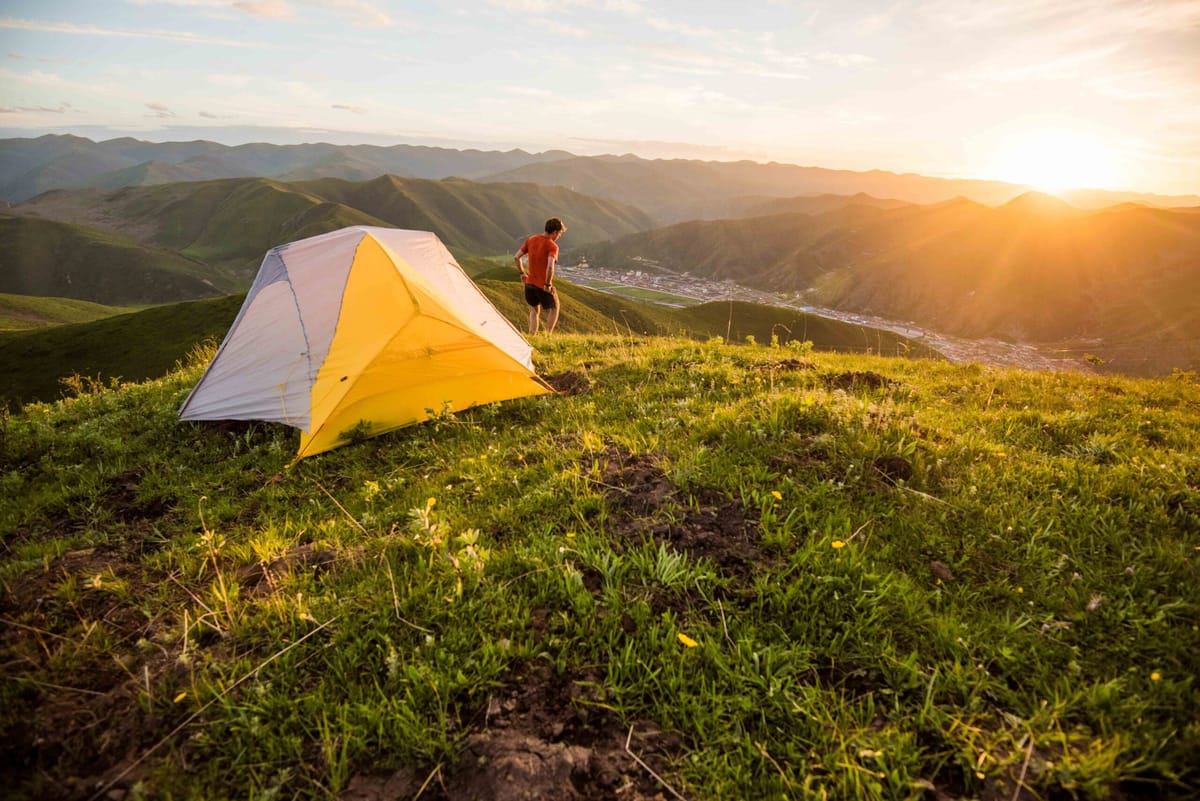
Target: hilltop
x,y
757,572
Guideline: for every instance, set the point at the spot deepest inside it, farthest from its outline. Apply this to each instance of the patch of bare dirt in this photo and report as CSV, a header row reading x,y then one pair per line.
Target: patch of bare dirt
x,y
544,736
650,506
784,366
859,380
893,469
571,382
266,576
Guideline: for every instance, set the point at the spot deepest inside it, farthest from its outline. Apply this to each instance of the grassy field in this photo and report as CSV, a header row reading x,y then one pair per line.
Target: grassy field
x,y
705,571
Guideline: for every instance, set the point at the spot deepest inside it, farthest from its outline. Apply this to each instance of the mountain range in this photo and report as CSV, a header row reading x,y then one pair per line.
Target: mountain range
x,y
669,190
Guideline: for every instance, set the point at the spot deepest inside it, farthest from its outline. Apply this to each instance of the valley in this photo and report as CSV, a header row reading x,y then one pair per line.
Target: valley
x,y
686,287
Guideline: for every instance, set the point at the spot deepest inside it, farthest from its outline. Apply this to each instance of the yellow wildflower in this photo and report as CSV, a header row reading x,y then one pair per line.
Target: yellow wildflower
x,y
837,544
1155,676
686,640
777,495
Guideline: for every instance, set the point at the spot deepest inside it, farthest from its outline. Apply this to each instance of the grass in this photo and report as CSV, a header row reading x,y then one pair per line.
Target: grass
x,y
944,580
24,312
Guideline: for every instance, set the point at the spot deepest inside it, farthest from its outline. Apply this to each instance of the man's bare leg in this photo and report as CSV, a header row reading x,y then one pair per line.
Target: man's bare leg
x,y
535,314
552,319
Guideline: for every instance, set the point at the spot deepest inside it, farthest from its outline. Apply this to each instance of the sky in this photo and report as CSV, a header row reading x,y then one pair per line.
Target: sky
x,y
1053,93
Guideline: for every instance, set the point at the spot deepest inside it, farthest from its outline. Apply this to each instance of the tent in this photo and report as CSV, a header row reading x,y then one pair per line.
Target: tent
x,y
358,332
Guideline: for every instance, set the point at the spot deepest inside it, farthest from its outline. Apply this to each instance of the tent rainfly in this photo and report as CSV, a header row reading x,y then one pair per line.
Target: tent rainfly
x,y
358,332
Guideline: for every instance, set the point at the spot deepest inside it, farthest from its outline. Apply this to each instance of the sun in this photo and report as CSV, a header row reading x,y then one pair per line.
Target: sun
x,y
1056,160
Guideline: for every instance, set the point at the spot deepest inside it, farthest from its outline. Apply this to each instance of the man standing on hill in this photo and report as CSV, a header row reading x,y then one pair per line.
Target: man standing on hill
x,y
541,254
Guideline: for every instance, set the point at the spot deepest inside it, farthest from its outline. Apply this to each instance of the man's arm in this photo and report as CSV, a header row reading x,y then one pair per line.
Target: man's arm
x,y
550,265
517,261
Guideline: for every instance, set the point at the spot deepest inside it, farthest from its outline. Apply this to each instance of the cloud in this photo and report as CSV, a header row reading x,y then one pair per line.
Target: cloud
x,y
63,108
355,109
208,115
160,111
92,30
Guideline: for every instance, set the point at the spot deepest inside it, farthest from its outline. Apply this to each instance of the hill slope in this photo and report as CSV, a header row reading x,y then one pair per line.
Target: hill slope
x,y
840,576
54,259
21,312
1033,270
230,224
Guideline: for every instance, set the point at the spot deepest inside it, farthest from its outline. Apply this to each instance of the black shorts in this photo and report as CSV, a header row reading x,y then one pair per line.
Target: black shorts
x,y
536,296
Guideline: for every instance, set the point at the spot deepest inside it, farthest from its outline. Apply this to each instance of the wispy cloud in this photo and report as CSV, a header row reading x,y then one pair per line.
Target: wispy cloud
x,y
160,111
93,30
354,109
62,108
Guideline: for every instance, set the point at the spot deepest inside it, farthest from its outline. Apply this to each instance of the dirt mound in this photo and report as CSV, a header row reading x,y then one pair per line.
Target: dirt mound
x,y
855,380
545,737
572,382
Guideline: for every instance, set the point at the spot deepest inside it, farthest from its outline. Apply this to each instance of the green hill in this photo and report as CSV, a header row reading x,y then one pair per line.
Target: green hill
x,y
709,571
54,259
229,224
123,347
21,312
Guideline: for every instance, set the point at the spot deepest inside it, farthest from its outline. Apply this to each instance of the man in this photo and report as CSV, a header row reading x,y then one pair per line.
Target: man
x,y
540,254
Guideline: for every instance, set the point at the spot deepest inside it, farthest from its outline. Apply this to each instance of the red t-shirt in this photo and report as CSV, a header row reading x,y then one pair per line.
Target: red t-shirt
x,y
541,248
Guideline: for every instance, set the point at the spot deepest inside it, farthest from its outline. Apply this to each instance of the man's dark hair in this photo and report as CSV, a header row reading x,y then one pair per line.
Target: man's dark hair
x,y
554,224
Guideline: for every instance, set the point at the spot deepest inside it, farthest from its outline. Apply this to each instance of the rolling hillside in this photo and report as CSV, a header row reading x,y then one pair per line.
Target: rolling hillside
x,y
23,312
54,259
229,224
147,344
1120,281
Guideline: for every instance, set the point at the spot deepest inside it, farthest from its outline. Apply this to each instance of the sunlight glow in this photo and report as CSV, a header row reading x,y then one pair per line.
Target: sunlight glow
x,y
1056,160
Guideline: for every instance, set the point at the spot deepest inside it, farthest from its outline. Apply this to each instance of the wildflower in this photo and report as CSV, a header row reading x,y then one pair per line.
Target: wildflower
x,y
837,545
1155,676
181,696
430,502
686,640
777,495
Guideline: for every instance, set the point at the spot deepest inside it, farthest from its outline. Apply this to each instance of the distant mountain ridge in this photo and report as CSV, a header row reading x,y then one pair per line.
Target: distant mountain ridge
x,y
669,190
29,167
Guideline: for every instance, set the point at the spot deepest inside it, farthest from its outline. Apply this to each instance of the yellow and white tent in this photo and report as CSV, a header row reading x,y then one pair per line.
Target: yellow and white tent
x,y
361,330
